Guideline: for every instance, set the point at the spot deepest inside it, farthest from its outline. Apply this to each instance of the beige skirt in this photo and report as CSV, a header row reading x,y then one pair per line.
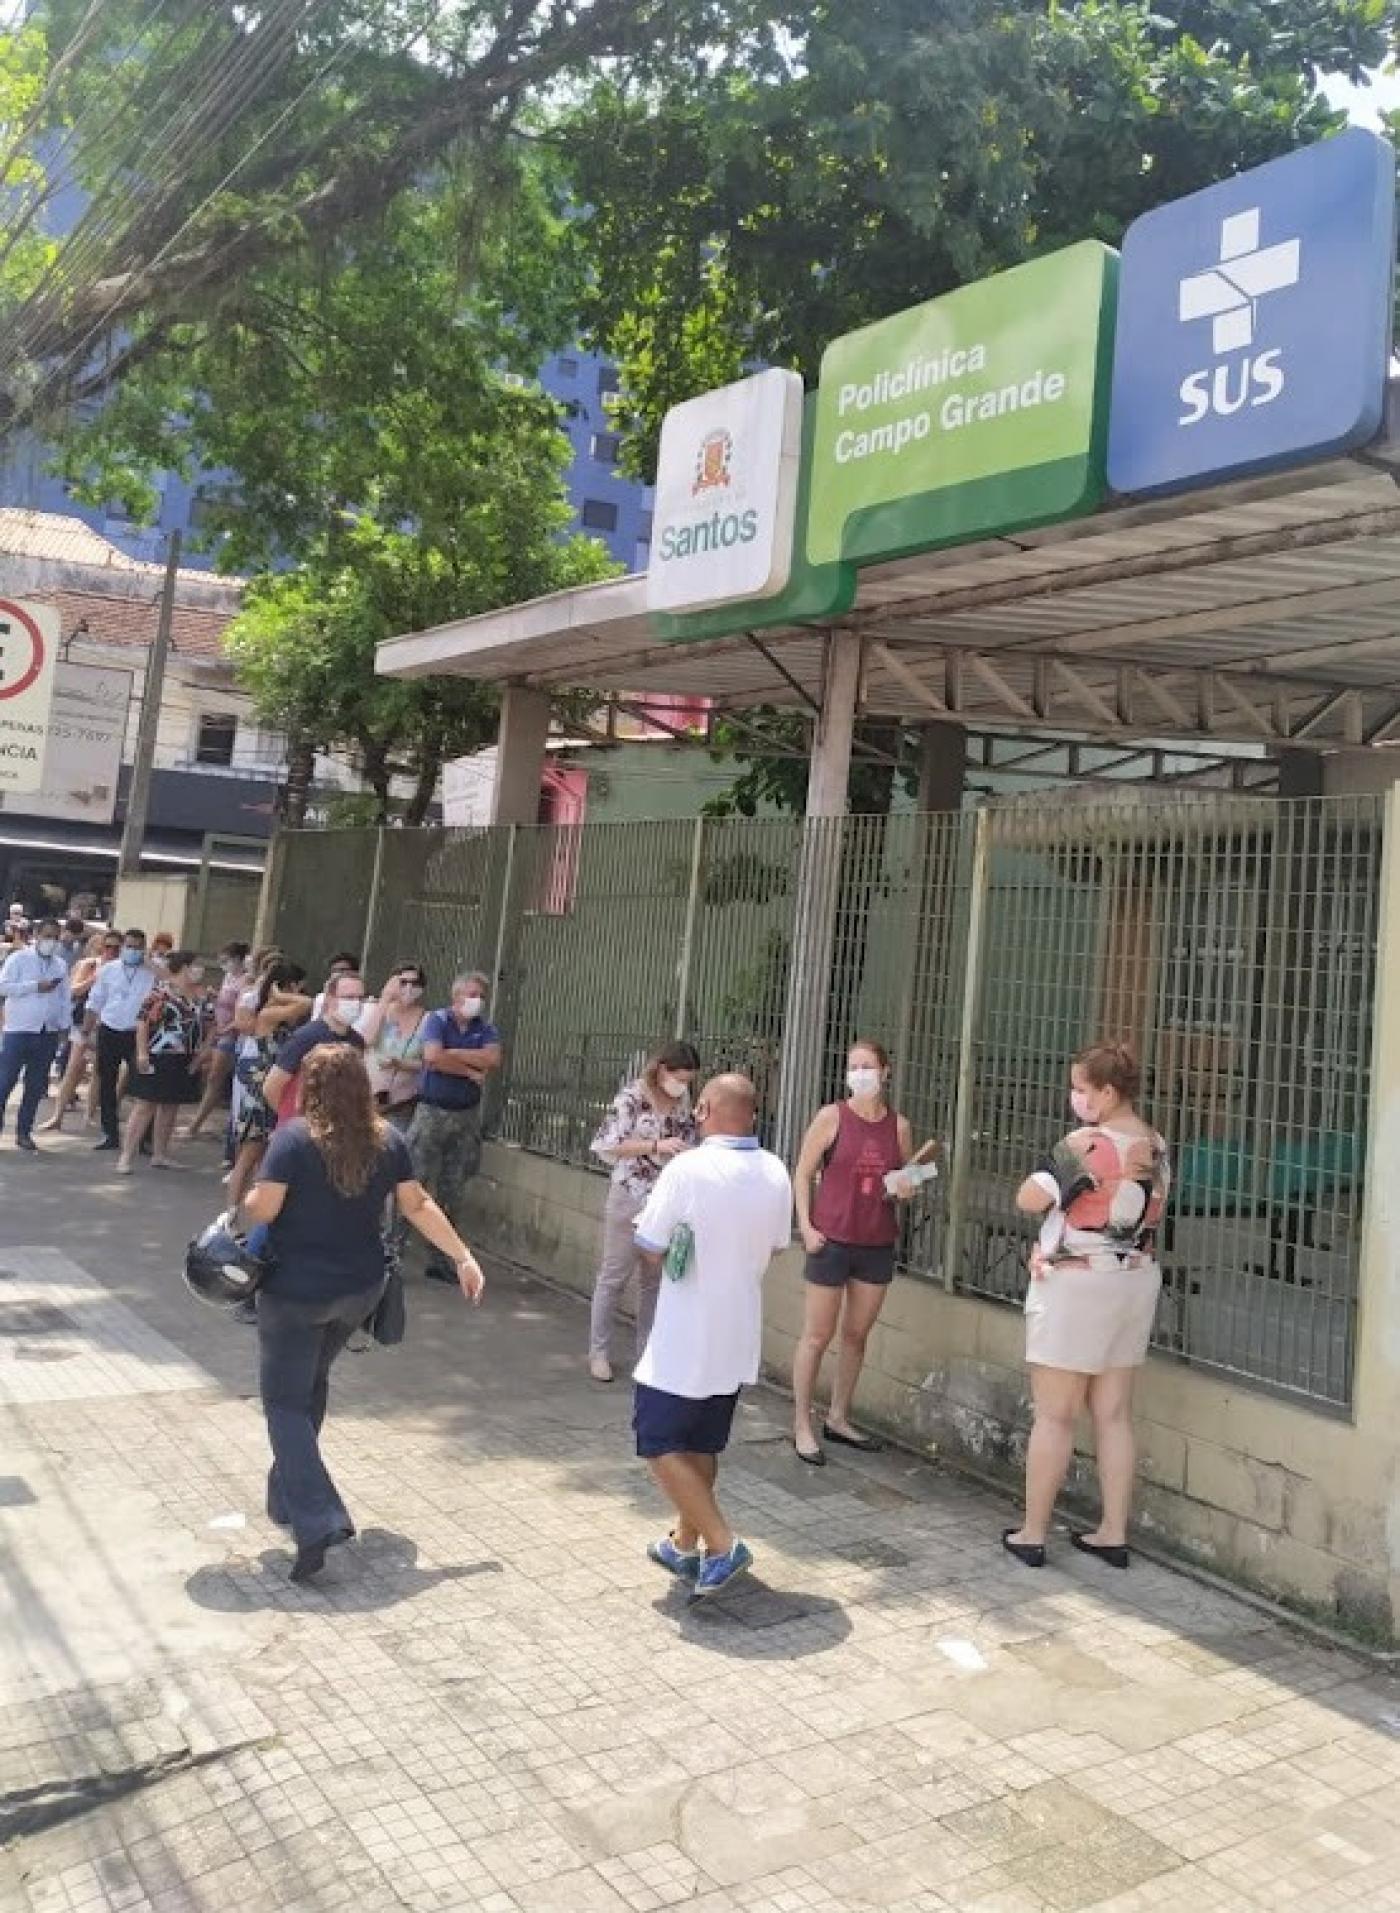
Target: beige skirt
x,y
1092,1319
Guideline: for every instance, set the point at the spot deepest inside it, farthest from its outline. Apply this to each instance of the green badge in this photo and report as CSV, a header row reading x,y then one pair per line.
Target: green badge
x,y
981,412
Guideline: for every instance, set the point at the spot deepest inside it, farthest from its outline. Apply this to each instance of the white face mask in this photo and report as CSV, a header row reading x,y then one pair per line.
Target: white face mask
x,y
673,1086
46,946
344,1009
863,1082
1079,1103
470,1006
411,992
195,973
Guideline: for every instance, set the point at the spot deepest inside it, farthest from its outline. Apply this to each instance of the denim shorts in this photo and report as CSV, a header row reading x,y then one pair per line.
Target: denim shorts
x,y
677,1425
838,1263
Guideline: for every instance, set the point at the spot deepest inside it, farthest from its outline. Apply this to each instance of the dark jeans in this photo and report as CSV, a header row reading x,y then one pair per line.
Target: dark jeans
x,y
114,1047
298,1342
29,1053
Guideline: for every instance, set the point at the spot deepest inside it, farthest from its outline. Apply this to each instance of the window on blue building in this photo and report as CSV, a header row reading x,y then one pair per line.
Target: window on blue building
x,y
599,515
606,446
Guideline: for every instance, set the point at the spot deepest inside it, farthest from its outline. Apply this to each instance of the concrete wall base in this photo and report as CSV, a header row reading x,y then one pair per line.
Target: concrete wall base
x,y
1252,1488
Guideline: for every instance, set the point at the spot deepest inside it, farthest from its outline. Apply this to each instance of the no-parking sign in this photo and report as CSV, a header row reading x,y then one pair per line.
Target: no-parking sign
x,y
29,635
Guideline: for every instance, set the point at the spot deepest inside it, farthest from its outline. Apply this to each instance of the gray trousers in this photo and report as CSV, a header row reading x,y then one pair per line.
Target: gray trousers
x,y
619,1264
445,1145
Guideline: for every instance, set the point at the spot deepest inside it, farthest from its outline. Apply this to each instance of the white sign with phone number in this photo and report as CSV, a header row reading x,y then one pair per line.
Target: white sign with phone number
x,y
29,635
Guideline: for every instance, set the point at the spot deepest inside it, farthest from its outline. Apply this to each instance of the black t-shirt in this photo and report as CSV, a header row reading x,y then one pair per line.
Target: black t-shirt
x,y
325,1245
298,1047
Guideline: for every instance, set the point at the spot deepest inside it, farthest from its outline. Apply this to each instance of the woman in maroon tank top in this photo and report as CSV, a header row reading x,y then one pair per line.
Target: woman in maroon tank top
x,y
850,1227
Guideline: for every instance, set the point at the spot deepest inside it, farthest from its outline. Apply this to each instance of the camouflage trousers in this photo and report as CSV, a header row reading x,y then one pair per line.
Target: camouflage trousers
x,y
445,1145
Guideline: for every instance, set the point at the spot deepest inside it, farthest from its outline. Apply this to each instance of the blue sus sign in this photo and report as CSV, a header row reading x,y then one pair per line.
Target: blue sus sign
x,y
1254,320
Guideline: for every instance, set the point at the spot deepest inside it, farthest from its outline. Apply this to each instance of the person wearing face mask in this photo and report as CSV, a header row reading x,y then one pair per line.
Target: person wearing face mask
x,y
342,1004
114,1007
393,1029
169,1037
1099,1197
35,993
651,1121
233,968
343,963
850,1228
460,1050
104,947
162,943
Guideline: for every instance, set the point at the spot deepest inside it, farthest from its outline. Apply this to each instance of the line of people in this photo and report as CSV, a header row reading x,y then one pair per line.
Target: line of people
x,y
693,1198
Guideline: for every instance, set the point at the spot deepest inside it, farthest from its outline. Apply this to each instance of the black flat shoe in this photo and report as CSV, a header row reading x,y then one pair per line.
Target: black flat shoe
x,y
1116,1557
1029,1553
814,1460
863,1444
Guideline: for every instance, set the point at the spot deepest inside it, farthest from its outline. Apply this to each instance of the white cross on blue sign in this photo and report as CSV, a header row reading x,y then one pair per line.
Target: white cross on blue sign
x,y
1254,320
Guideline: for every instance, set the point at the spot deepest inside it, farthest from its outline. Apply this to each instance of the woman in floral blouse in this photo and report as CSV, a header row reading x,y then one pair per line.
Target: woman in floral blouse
x,y
169,1037
649,1122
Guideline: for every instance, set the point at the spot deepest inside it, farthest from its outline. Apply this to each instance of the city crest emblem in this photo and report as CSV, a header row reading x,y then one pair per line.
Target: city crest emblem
x,y
712,462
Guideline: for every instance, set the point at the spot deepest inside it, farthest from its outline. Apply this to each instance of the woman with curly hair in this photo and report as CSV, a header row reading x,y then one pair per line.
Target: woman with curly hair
x,y
321,1194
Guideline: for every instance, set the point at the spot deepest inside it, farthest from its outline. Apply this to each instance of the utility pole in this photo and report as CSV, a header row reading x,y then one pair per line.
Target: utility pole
x,y
138,795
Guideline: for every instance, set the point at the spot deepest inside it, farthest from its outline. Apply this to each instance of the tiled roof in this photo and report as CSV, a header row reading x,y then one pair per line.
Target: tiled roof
x,y
105,596
63,540
132,621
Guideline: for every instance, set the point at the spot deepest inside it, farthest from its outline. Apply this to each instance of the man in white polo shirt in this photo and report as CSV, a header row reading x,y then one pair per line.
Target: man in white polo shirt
x,y
714,1221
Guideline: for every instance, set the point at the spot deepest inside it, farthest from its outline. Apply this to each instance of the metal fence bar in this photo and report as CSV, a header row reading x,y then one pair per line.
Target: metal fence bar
x,y
960,1166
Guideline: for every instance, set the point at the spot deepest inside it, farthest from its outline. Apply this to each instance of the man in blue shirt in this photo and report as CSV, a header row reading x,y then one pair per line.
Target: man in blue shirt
x,y
460,1050
38,1011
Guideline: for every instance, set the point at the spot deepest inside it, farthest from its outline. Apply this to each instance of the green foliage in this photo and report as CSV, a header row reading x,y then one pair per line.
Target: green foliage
x,y
24,255
910,146
382,429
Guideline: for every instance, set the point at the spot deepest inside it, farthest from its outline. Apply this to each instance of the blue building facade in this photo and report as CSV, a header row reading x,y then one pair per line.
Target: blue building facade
x,y
606,505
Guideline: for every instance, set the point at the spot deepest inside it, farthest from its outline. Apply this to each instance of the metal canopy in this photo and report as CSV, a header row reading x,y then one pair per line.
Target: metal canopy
x,y
1265,613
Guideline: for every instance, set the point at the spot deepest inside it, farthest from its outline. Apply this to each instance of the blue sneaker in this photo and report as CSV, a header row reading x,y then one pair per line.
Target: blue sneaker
x,y
685,1566
722,1571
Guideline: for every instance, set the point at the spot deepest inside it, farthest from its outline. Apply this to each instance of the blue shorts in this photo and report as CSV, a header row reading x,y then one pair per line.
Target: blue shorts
x,y
677,1425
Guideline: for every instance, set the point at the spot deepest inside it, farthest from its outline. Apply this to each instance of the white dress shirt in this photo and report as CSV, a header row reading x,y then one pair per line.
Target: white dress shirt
x,y
27,1008
116,996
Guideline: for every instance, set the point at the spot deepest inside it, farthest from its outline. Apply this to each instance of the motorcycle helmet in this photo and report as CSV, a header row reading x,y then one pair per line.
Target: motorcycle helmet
x,y
220,1268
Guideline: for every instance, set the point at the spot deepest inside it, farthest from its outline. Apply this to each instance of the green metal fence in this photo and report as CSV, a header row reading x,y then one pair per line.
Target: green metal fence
x,y
1232,940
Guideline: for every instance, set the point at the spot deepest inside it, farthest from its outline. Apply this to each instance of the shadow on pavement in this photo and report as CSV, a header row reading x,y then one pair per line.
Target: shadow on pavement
x,y
755,1622
379,1570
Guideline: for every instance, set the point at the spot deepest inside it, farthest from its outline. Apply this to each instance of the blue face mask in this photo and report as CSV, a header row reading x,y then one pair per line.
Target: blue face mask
x,y
133,959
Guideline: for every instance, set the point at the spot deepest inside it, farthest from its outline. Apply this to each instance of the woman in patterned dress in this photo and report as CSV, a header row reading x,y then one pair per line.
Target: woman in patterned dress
x,y
1095,1280
649,1122
169,1037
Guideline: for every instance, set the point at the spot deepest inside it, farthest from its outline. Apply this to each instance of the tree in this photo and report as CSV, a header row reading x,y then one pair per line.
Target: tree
x,y
377,429
218,141
909,146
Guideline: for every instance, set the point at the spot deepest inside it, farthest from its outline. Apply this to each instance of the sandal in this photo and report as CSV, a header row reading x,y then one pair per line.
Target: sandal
x,y
815,1460
1114,1556
1030,1554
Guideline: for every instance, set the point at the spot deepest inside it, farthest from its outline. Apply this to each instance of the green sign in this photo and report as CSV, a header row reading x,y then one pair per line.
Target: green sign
x,y
978,413
813,591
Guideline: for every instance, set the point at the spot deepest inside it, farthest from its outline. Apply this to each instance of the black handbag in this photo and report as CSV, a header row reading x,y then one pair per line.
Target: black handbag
x,y
389,1322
